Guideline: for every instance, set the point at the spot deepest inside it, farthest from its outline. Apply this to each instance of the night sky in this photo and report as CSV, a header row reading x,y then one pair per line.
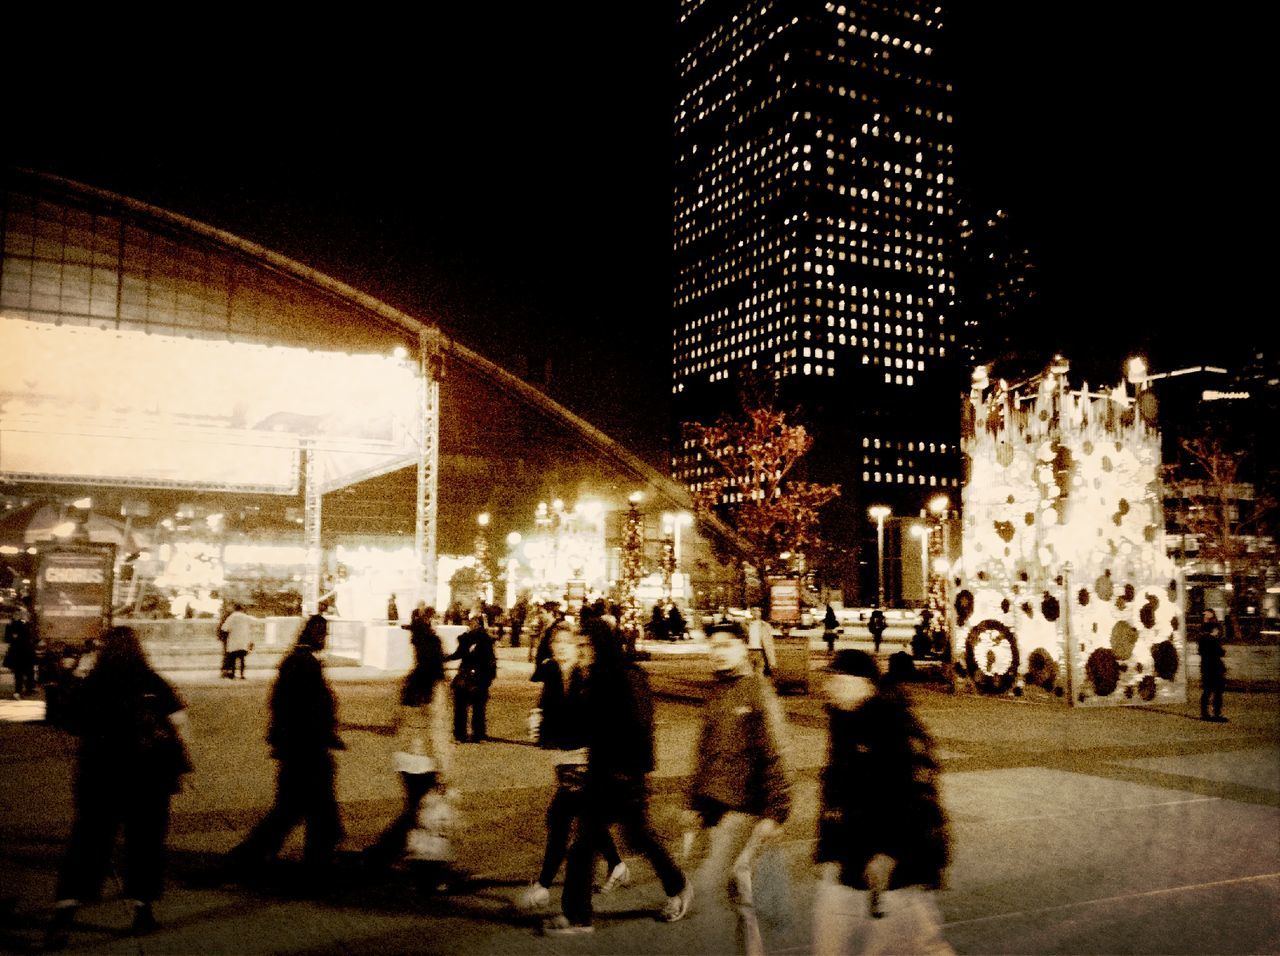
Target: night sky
x,y
506,171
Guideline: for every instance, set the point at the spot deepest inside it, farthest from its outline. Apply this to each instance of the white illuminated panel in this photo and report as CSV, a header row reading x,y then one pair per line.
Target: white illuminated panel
x,y
94,406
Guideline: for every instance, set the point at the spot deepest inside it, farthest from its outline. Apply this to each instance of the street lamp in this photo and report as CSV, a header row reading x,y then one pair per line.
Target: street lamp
x,y
922,531
940,506
878,514
671,524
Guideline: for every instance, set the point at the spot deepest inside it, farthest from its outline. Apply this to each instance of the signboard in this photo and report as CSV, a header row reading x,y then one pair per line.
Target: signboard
x,y
73,592
575,592
784,600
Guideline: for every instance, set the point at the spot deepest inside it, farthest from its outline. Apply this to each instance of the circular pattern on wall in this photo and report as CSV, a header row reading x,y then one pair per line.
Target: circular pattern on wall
x,y
964,606
991,653
1102,671
1165,658
1042,670
1123,638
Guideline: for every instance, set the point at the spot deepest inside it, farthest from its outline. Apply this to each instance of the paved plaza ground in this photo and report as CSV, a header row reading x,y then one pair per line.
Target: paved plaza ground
x,y
1127,830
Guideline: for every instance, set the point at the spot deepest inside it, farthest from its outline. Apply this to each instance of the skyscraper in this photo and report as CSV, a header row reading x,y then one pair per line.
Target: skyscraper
x,y
814,232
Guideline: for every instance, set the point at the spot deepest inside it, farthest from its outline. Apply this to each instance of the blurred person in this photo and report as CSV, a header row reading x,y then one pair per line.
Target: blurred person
x,y
830,629
877,625
393,611
760,643
131,761
1213,667
883,841
561,726
619,723
20,655
677,630
741,792
239,629
303,730
477,668
422,755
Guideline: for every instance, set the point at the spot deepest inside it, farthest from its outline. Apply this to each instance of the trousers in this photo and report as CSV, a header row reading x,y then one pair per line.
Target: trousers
x,y
304,794
475,700
909,922
623,800
567,806
723,882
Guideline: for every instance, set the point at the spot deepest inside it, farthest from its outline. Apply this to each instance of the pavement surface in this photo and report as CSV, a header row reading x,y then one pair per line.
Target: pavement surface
x,y
1134,830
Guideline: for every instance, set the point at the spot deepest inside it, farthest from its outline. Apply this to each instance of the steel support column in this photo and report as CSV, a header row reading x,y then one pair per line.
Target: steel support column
x,y
430,369
311,497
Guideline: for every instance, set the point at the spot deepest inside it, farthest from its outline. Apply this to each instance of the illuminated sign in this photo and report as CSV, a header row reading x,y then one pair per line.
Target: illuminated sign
x,y
73,592
784,600
95,406
1211,395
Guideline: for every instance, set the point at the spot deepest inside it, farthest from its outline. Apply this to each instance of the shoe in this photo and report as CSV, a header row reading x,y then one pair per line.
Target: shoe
x,y
620,875
1219,719
677,907
144,921
560,926
534,897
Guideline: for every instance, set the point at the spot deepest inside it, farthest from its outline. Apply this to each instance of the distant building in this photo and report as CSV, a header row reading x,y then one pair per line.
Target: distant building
x,y
814,242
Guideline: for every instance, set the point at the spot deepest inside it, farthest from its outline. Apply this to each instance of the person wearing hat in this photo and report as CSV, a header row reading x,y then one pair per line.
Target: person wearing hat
x,y
741,794
883,841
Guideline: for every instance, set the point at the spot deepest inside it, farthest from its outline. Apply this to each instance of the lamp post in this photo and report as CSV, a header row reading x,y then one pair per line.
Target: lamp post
x,y
878,514
671,524
921,532
940,506
482,557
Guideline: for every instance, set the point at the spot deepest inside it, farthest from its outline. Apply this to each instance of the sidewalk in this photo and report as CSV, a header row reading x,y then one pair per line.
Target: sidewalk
x,y
1122,830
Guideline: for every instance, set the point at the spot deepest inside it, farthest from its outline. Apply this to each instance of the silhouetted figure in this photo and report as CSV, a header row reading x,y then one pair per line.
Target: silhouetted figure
x,y
302,732
477,668
876,625
130,763
676,627
20,655
883,841
1213,668
393,612
830,629
658,623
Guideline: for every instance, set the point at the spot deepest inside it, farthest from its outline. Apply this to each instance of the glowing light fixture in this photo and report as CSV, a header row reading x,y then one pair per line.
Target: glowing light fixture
x,y
482,519
84,504
1137,369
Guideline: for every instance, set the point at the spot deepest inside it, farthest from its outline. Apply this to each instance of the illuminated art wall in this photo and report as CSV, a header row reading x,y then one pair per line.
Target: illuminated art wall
x,y
1064,586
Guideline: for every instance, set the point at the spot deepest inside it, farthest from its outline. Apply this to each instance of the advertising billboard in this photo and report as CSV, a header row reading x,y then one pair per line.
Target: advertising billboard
x,y
106,406
73,592
784,600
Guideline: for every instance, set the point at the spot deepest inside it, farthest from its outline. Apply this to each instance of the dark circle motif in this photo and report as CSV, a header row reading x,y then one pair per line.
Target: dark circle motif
x,y
1004,606
1165,657
1042,670
1102,671
1049,608
1129,592
1083,597
1029,518
964,606
1102,587
1147,688
982,672
1005,530
1148,612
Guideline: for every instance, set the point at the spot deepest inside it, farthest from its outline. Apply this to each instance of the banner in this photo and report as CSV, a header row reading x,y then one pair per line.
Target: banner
x,y
73,592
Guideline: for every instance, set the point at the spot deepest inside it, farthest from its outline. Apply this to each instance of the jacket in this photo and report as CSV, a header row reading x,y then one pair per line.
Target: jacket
x,y
619,722
563,706
478,662
304,712
740,752
879,795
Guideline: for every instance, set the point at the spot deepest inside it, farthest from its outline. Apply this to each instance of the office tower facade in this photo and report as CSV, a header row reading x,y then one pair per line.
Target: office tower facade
x,y
814,235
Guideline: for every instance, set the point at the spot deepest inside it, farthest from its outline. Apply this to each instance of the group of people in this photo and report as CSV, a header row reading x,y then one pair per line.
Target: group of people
x,y
596,714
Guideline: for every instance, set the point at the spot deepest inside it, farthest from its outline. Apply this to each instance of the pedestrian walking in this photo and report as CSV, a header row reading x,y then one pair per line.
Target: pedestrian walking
x,y
876,625
760,643
239,630
830,629
477,668
422,747
20,655
741,793
130,762
1213,668
561,719
883,842
619,759
302,732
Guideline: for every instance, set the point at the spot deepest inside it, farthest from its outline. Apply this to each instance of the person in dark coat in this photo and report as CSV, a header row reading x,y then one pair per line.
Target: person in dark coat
x,y
393,611
477,668
619,722
883,840
130,763
20,655
1213,668
830,629
562,728
877,625
302,732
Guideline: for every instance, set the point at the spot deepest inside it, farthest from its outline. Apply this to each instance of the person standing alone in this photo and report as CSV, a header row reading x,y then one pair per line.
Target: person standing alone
x,y
1213,668
477,668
